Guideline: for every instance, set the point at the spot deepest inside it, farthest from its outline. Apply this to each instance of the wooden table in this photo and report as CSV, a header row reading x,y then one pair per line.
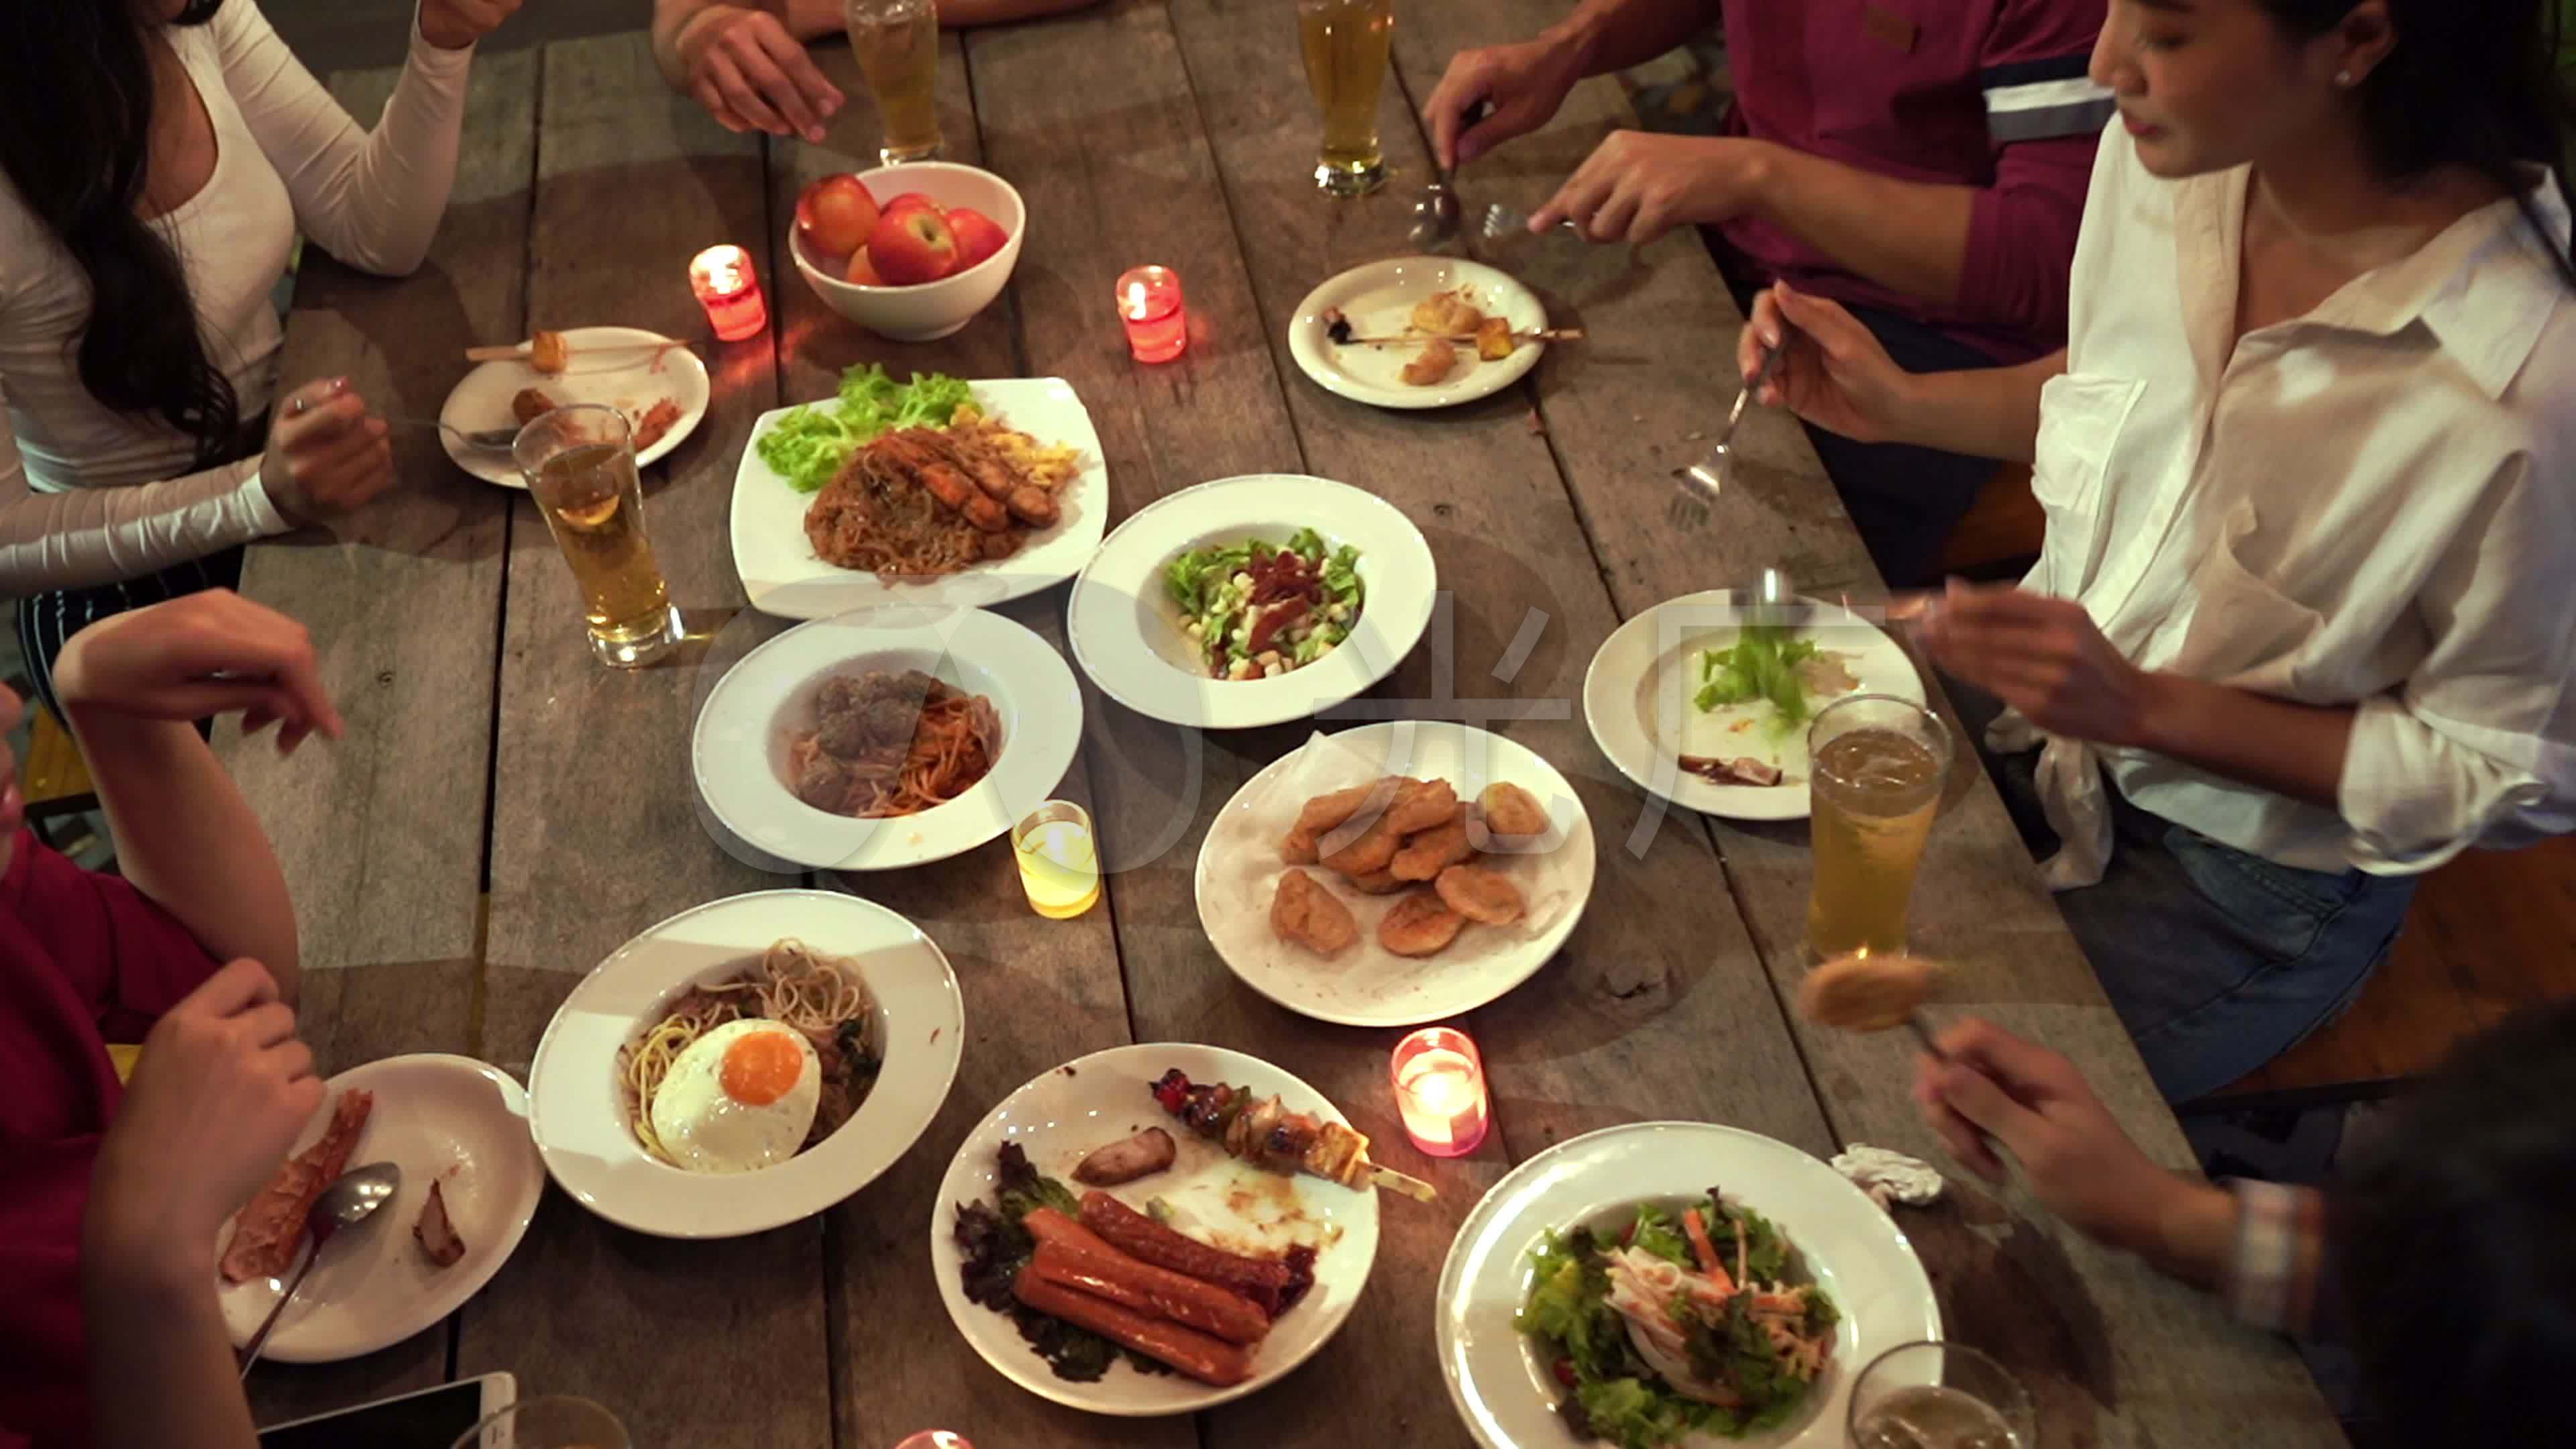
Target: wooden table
x,y
505,812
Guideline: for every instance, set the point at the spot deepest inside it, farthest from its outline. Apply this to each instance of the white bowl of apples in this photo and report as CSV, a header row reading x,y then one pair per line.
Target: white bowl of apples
x,y
910,252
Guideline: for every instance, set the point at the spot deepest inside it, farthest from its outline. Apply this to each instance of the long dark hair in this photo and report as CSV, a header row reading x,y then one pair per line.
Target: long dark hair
x,y
75,139
2469,83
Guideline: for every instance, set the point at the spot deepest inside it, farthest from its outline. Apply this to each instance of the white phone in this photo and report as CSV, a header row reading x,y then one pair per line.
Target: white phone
x,y
430,1418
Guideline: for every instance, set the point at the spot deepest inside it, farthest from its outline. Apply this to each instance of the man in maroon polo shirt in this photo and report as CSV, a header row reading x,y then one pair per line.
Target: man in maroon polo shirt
x,y
114,1194
1922,162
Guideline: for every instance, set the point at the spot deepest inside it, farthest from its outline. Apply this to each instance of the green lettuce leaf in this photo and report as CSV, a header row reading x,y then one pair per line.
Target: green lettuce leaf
x,y
809,444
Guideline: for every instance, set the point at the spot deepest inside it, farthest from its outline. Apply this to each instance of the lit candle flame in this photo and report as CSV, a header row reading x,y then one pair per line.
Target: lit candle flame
x,y
1136,300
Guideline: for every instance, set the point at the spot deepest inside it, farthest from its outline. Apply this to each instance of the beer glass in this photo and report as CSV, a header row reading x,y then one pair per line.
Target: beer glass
x,y
1939,1396
1345,42
580,465
1875,765
556,1421
897,43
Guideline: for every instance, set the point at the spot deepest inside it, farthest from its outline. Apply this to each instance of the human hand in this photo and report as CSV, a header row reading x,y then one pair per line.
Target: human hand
x,y
1637,185
197,655
218,1096
456,24
326,453
1999,1091
2043,656
1835,373
1524,84
751,74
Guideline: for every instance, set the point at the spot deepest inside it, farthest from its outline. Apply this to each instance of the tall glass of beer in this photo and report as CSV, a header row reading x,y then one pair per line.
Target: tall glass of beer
x,y
1875,765
580,465
1345,43
897,42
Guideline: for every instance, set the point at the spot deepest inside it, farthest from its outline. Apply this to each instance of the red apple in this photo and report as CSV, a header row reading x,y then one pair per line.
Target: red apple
x,y
836,214
863,271
911,201
978,235
912,246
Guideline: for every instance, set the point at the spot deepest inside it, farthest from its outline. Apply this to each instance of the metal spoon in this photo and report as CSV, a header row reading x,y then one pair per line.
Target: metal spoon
x,y
1435,215
495,438
346,1203
1707,477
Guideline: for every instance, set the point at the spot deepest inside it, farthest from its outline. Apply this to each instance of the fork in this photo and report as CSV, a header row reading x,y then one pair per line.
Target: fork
x,y
1706,478
1501,221
496,438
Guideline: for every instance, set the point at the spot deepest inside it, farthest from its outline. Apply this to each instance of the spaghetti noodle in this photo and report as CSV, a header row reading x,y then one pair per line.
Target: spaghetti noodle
x,y
793,983
888,744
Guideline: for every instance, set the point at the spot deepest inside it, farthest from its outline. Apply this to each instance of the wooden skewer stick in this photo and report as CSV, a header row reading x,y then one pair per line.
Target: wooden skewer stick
x,y
1412,1187
1552,334
518,352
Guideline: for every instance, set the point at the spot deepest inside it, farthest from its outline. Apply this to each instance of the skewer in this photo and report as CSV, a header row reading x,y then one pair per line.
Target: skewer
x,y
519,351
1247,1128
1412,1187
1549,334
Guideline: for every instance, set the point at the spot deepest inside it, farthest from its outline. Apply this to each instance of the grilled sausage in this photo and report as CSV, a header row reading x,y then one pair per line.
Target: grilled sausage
x,y
1159,1291
1262,1280
1201,1356
1148,1151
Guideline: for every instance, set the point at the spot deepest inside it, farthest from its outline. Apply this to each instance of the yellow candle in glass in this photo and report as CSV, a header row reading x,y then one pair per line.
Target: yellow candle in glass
x,y
1059,865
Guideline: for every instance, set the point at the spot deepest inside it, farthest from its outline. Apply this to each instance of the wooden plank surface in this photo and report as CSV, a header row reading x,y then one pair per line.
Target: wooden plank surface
x,y
595,829
2116,1354
381,834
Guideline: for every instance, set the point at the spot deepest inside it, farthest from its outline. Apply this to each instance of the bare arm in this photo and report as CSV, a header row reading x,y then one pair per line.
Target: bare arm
x,y
1837,376
161,1361
1842,211
1990,412
2289,749
1610,35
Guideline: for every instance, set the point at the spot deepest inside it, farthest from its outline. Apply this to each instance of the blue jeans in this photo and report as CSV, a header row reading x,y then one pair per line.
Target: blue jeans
x,y
2216,960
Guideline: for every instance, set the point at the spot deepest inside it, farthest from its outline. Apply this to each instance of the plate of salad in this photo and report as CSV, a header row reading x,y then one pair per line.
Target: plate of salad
x,y
1672,1285
789,513
1252,601
1705,699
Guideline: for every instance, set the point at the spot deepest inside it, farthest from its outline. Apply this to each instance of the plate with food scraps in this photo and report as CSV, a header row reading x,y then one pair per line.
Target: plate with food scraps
x,y
1251,601
886,738
1390,311
930,491
1822,1273
1705,701
659,384
1131,1236
458,1129
1396,903
671,1094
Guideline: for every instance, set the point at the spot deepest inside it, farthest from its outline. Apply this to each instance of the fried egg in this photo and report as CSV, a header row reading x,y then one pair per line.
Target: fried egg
x,y
739,1098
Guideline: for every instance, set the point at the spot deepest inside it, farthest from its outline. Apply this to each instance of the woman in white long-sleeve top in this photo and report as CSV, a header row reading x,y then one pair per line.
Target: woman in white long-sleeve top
x,y
2305,620
157,160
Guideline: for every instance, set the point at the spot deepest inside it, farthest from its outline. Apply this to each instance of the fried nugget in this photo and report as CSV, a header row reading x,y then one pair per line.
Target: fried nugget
x,y
1321,814
1297,848
1305,912
1419,925
1481,893
1426,853
1370,850
1494,339
1378,883
1422,805
1512,812
1431,365
549,352
529,404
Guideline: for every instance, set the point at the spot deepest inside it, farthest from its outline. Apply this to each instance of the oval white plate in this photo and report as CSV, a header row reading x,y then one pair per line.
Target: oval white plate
x,y
1637,700
1381,989
739,748
629,382
1127,633
444,1119
1378,299
1101,1098
782,576
581,1127
1507,1396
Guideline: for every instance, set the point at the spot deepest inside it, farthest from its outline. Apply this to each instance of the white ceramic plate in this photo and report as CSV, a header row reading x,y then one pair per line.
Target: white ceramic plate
x,y
1366,986
1126,632
782,575
1103,1097
739,750
1507,1395
1637,699
628,381
581,1125
444,1119
1378,299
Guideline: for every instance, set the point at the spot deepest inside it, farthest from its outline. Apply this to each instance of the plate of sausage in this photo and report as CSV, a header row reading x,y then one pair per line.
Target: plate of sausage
x,y
1156,1229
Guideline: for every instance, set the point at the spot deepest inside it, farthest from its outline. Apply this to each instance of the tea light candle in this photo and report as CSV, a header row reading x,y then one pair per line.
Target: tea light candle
x,y
1440,1091
730,291
1059,866
934,1439
1149,302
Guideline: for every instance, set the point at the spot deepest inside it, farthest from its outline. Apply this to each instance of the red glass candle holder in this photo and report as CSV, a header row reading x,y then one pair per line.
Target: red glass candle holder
x,y
1149,302
1440,1091
730,291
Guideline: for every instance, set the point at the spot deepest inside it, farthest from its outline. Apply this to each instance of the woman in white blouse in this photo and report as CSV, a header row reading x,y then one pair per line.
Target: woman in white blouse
x,y
157,158
2308,594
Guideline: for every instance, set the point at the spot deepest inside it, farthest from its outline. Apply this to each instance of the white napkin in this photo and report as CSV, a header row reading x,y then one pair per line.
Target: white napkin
x,y
1243,871
1889,1176
2071,795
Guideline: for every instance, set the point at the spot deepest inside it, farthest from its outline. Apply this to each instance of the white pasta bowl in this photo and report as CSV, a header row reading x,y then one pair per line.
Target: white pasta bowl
x,y
925,310
577,1111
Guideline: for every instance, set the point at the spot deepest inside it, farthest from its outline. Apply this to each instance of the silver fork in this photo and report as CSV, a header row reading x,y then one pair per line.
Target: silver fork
x,y
497,438
1501,221
1706,479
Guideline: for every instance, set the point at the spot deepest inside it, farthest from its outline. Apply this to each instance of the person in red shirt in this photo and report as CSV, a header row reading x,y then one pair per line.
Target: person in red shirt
x,y
128,1186
1922,162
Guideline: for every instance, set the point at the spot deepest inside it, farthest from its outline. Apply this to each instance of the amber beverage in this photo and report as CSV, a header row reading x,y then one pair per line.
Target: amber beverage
x,y
1346,43
897,43
580,465
1876,765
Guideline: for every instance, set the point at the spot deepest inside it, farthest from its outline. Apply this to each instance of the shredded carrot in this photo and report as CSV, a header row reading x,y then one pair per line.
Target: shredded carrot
x,y
1739,1246
1697,1228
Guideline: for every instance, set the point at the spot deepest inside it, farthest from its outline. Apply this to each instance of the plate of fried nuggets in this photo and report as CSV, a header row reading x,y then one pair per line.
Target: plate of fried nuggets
x,y
1396,873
